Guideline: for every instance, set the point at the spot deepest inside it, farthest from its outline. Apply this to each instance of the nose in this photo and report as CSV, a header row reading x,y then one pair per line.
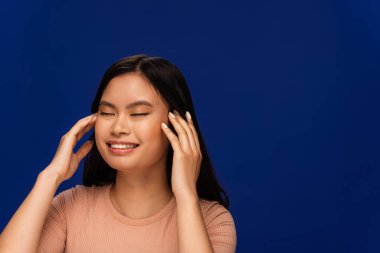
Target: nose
x,y
121,126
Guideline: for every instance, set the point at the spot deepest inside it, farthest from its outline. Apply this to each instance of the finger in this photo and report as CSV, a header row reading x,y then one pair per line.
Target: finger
x,y
80,125
88,127
192,127
183,139
69,140
83,150
189,132
172,138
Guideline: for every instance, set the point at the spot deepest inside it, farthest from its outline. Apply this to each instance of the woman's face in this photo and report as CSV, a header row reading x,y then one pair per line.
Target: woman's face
x,y
122,123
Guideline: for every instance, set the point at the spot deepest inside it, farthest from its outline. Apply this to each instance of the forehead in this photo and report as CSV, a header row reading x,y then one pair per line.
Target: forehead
x,y
130,87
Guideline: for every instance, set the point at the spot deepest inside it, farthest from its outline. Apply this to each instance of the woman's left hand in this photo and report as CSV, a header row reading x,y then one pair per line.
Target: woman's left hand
x,y
187,155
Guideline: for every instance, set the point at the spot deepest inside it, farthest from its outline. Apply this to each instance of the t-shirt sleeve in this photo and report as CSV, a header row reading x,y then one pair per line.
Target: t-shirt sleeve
x,y
53,236
221,229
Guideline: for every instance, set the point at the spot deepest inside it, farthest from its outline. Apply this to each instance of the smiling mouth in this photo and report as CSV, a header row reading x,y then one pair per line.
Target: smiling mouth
x,y
135,146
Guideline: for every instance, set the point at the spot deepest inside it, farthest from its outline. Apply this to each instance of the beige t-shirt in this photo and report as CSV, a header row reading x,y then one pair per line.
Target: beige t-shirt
x,y
83,219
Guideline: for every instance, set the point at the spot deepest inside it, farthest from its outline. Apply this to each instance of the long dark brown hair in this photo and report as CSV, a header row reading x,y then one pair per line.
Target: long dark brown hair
x,y
171,85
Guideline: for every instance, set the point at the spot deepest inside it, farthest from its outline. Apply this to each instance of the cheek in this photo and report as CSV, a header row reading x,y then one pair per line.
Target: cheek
x,y
149,130
99,128
152,132
97,132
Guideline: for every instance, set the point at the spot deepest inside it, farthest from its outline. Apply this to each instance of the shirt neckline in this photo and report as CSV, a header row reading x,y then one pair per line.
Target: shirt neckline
x,y
136,222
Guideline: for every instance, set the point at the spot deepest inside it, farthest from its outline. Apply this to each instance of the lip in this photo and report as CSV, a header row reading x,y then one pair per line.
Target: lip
x,y
121,142
121,151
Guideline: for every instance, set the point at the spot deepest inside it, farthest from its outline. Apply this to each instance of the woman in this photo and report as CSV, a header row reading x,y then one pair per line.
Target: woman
x,y
148,182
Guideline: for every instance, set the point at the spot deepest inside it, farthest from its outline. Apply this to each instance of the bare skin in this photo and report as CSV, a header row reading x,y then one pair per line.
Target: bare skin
x,y
141,188
23,231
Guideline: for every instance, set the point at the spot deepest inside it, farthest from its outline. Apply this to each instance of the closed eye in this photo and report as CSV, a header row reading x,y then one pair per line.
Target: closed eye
x,y
140,114
104,113
135,114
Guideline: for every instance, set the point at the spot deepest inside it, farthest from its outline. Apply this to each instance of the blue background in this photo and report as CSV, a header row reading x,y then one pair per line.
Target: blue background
x,y
286,92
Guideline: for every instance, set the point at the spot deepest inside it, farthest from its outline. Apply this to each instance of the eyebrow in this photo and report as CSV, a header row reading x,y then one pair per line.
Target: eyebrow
x,y
129,106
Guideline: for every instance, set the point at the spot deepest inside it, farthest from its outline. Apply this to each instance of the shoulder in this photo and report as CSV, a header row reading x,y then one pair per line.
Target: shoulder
x,y
77,195
78,191
220,226
215,214
210,207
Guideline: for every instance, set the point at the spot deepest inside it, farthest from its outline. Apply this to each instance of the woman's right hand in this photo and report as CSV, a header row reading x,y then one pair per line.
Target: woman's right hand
x,y
65,162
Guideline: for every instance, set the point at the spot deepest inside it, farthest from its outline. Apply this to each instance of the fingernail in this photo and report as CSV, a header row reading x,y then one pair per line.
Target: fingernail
x,y
171,115
164,125
188,115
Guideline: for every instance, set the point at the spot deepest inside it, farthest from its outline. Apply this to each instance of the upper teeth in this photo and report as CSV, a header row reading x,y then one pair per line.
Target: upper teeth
x,y
122,146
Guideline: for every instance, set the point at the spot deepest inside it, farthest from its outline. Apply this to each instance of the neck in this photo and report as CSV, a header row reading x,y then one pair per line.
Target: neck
x,y
141,195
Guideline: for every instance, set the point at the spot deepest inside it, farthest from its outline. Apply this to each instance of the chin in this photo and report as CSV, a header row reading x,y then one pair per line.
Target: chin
x,y
118,162
120,166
